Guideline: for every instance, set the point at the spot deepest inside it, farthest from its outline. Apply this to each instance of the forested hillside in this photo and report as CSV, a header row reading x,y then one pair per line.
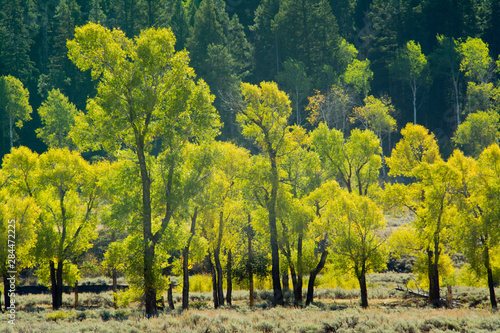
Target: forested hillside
x,y
355,47
143,137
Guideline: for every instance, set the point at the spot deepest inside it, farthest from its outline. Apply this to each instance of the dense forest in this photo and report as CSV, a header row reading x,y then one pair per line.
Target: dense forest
x,y
305,46
207,125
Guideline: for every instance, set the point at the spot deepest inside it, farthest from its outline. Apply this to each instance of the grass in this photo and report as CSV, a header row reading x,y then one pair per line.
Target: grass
x,y
334,310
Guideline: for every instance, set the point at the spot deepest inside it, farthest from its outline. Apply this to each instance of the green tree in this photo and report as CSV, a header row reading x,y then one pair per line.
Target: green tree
x,y
58,117
333,107
429,198
61,72
355,161
358,74
477,132
15,40
355,243
410,66
477,231
19,214
264,118
446,62
476,62
14,101
65,188
294,79
146,92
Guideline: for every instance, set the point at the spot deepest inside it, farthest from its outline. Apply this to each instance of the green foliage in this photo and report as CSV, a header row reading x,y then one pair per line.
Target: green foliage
x,y
476,62
478,131
14,105
58,116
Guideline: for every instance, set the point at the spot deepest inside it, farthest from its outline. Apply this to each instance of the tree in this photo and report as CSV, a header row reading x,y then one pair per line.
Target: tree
x,y
477,132
333,107
65,188
19,214
14,101
410,66
15,40
294,79
355,161
429,198
476,62
359,75
146,93
58,117
355,245
376,115
264,118
477,231
446,59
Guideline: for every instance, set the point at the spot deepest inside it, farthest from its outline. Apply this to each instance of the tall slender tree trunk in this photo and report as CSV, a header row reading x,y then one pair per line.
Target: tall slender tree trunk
x,y
229,291
185,262
218,266
362,286
59,283
149,244
271,207
491,285
313,275
250,261
218,271
297,289
214,281
76,294
53,284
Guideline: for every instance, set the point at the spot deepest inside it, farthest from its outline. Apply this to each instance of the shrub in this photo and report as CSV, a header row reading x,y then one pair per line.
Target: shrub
x,y
58,315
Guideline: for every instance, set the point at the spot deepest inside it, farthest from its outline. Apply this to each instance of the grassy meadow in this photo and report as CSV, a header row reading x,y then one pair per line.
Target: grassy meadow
x,y
334,310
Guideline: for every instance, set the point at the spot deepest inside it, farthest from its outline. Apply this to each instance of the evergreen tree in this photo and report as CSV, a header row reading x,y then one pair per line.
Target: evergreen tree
x,y
15,40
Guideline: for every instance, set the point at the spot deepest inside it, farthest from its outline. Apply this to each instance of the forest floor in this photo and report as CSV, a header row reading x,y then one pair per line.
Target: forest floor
x,y
334,310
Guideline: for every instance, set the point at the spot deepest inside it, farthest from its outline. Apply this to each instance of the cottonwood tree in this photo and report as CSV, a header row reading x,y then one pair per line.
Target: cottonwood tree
x,y
263,117
477,132
477,233
430,197
355,161
356,246
148,102
19,215
333,107
65,188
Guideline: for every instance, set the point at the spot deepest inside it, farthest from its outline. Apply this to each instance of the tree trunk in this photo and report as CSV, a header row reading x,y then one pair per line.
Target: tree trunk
x,y
362,287
229,278
11,125
218,266
285,282
297,289
53,284
113,270
218,270
491,285
434,298
271,207
214,281
250,262
170,298
185,262
59,283
313,275
6,287
149,281
185,278
148,239
76,294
